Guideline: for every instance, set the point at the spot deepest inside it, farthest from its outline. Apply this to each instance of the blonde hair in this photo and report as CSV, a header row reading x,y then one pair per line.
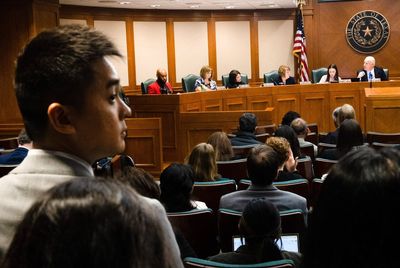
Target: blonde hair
x,y
204,70
281,146
222,146
282,69
202,160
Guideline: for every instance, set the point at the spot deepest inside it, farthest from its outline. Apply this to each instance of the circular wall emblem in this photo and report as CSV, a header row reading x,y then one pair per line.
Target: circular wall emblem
x,y
367,31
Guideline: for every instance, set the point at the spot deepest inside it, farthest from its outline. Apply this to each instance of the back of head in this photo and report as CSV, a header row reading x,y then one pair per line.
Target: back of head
x,y
291,136
260,225
262,165
248,122
350,135
346,112
140,180
202,160
176,184
281,146
222,146
289,117
354,223
23,137
56,66
299,126
89,223
335,116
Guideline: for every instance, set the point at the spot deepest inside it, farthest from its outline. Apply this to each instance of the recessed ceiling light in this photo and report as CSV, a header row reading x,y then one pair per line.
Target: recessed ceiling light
x,y
230,7
194,6
125,3
154,6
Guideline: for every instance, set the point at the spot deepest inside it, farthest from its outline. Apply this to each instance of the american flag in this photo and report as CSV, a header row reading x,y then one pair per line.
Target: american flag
x,y
299,46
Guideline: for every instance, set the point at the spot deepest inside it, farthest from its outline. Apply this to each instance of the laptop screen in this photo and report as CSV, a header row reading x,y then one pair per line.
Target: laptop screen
x,y
290,242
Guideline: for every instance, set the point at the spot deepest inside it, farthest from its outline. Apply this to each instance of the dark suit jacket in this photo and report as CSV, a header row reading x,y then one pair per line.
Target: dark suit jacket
x,y
379,73
15,157
244,138
289,81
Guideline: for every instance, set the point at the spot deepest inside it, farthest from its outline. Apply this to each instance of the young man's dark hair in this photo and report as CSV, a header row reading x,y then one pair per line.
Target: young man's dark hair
x,y
289,117
262,165
248,122
57,66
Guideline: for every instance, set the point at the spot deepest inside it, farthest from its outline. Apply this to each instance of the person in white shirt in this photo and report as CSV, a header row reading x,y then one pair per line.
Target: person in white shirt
x,y
73,109
332,75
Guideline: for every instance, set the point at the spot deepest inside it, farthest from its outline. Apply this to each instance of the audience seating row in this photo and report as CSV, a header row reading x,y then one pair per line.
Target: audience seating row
x,y
208,233
196,263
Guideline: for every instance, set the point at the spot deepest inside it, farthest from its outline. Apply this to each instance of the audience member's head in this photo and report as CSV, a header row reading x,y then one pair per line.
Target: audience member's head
x,y
248,122
202,160
23,139
289,117
355,221
235,78
69,92
281,146
260,225
89,223
335,116
288,133
349,136
262,165
299,126
222,146
140,180
176,184
346,112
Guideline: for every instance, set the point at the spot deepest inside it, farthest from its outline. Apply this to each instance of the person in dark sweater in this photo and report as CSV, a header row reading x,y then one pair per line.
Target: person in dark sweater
x,y
247,127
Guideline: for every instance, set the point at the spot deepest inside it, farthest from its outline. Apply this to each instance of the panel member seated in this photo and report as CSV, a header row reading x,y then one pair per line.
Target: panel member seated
x,y
161,86
370,71
331,76
262,166
205,82
284,76
16,156
235,79
247,127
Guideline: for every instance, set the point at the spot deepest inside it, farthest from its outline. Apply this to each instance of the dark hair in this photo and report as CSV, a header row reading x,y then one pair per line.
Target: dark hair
x,y
260,225
332,66
262,165
232,79
248,122
23,137
176,183
222,146
89,222
288,133
289,117
350,135
355,222
56,66
140,180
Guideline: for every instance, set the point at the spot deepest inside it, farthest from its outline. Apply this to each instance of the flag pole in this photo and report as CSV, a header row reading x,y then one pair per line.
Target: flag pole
x,y
300,4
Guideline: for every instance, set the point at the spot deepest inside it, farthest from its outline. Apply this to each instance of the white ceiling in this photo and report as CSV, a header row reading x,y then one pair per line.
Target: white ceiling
x,y
185,4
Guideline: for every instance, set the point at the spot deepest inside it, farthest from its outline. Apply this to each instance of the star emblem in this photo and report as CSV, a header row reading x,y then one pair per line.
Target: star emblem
x,y
367,31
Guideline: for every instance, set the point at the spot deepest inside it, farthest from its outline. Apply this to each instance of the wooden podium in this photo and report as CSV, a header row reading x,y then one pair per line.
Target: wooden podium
x,y
382,109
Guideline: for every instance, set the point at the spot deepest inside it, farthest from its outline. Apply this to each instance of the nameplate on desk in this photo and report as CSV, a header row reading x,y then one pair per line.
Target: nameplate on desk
x,y
345,81
305,82
268,84
376,80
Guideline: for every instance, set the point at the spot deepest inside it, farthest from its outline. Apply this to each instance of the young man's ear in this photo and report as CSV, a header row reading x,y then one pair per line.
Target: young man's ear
x,y
59,118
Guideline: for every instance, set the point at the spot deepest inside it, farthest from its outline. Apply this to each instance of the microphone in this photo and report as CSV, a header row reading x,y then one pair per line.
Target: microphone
x,y
361,75
275,82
